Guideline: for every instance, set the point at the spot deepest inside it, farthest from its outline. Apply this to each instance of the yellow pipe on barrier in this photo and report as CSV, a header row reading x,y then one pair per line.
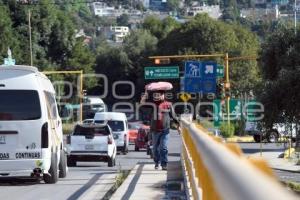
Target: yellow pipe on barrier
x,y
220,172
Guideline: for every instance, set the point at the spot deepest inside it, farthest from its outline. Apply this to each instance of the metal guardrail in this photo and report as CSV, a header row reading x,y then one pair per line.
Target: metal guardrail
x,y
216,170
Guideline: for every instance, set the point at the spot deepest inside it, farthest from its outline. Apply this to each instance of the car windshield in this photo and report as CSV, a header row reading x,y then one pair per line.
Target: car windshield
x,y
134,125
19,105
91,130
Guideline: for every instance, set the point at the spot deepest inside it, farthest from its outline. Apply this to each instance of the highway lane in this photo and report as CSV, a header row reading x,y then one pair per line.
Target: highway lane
x,y
88,180
254,148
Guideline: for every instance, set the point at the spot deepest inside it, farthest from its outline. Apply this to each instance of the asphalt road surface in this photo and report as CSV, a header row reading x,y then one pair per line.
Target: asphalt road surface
x,y
88,180
251,148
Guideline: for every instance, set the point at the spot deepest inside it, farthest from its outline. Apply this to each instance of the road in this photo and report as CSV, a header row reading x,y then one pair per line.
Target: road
x,y
252,148
89,180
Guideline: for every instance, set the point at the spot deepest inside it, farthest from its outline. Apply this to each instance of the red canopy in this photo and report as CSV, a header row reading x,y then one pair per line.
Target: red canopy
x,y
159,86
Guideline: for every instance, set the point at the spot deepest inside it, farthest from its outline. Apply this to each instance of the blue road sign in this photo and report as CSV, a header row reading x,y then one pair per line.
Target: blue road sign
x,y
200,77
208,69
192,69
192,84
208,86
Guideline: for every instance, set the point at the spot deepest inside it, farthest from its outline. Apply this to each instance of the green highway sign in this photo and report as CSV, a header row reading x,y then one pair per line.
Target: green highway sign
x,y
235,111
220,71
166,72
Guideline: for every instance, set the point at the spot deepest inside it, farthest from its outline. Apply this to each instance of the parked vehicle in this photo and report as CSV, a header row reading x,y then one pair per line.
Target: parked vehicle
x,y
31,137
88,121
91,142
143,137
133,131
119,126
271,135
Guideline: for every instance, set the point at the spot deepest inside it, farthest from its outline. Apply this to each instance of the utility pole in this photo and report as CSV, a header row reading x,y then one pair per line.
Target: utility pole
x,y
295,15
30,42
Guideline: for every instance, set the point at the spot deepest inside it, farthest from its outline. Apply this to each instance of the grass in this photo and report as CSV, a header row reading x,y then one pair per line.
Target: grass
x,y
120,178
293,186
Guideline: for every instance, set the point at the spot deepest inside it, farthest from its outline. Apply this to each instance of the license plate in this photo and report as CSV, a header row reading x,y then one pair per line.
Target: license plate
x,y
89,147
2,139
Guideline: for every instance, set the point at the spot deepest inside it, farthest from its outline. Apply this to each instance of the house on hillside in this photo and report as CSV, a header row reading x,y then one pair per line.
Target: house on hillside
x,y
102,10
114,34
213,11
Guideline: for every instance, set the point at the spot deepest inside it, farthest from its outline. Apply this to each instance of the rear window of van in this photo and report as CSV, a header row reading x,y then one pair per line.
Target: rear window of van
x,y
16,105
91,130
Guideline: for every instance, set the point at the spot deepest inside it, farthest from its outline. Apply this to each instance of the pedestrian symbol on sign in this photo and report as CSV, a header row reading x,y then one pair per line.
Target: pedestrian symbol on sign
x,y
209,69
194,70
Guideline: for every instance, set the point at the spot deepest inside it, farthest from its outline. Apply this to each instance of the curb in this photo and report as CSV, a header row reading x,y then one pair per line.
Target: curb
x,y
285,170
247,139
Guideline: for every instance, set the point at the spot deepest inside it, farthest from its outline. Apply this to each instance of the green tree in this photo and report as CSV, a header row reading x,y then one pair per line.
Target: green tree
x,y
173,4
160,28
204,35
7,36
281,72
81,58
123,20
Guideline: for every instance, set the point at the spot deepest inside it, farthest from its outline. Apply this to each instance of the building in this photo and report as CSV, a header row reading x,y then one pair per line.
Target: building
x,y
157,4
81,34
114,33
213,11
102,10
146,3
119,33
279,2
261,13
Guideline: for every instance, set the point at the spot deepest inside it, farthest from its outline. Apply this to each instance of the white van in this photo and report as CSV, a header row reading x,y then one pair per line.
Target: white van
x,y
31,138
93,105
119,126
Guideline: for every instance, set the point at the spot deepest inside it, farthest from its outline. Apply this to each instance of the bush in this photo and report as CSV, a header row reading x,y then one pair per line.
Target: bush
x,y
227,131
207,124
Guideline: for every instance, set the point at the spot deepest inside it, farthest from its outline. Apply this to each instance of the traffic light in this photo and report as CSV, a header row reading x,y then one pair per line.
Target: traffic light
x,y
162,61
227,89
220,91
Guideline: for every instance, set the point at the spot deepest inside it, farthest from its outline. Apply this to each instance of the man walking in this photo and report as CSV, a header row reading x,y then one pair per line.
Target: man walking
x,y
160,128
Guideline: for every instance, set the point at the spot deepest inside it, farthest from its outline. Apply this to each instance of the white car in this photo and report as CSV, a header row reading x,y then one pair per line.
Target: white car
x,y
118,123
31,138
91,142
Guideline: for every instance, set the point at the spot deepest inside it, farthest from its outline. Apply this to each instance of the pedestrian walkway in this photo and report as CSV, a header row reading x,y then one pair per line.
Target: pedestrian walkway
x,y
278,163
144,182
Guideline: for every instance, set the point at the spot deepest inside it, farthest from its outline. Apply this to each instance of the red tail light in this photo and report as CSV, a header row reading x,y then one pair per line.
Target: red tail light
x,y
44,136
68,139
109,139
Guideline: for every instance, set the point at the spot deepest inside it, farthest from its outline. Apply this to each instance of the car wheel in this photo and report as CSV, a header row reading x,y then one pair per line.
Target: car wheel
x,y
71,161
125,149
273,136
52,177
62,165
111,162
136,148
256,138
151,154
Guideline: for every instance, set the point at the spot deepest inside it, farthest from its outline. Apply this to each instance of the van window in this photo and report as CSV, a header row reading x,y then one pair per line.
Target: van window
x,y
52,104
113,124
19,105
91,130
116,125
